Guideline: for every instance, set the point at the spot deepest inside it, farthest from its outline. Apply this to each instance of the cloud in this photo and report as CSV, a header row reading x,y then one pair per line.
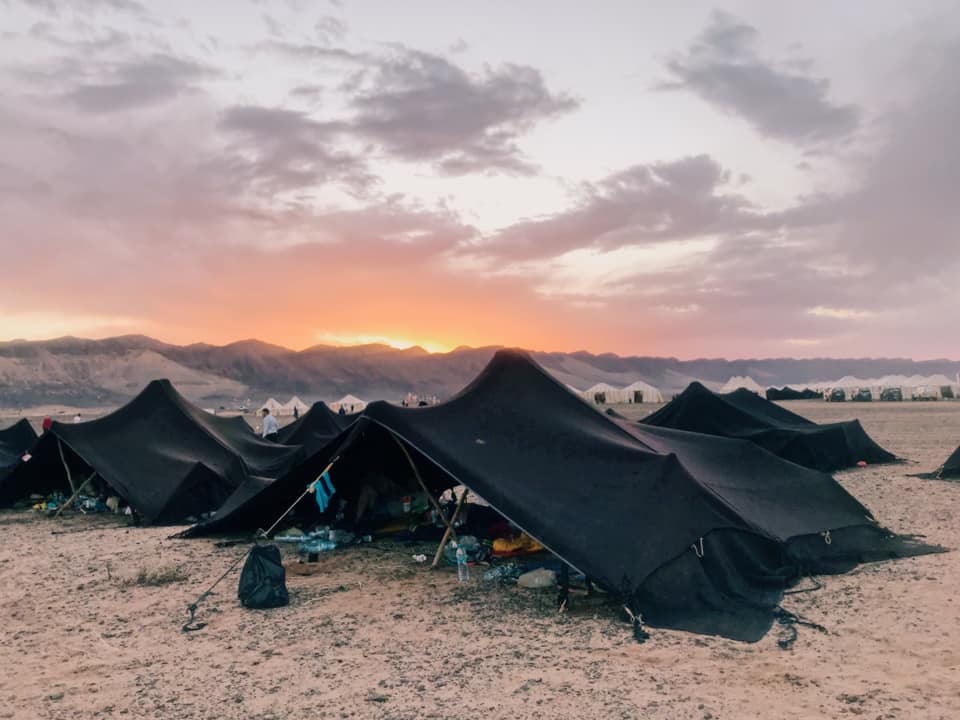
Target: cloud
x,y
138,83
421,107
280,150
780,101
804,342
57,7
313,51
329,29
644,204
904,216
839,313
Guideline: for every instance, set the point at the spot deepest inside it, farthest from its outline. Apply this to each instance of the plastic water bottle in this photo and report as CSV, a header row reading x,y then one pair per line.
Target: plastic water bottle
x,y
463,570
316,545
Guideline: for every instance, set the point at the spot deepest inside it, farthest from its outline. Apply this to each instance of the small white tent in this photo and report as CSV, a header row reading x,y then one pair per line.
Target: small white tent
x,y
606,394
295,402
738,381
643,392
273,406
349,403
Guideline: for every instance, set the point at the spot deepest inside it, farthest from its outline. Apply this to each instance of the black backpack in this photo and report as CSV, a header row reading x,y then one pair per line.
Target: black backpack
x,y
263,579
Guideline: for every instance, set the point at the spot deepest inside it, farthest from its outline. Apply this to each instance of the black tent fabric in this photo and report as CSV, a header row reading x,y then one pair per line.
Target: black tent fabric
x,y
951,468
14,442
166,457
745,415
694,532
315,428
363,448
788,393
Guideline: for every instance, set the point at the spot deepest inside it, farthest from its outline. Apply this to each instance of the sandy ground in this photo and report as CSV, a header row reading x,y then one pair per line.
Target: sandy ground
x,y
374,635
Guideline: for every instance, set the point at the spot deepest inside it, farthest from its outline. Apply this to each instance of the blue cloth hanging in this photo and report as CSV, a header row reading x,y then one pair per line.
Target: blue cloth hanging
x,y
324,491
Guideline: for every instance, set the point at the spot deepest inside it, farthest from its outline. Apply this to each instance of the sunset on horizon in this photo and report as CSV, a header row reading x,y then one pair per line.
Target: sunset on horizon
x,y
684,181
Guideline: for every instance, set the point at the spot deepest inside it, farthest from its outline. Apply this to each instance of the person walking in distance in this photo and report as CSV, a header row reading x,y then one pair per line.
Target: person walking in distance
x,y
271,428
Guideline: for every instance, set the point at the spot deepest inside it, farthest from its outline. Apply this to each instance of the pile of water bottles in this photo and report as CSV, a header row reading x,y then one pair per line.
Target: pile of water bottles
x,y
321,539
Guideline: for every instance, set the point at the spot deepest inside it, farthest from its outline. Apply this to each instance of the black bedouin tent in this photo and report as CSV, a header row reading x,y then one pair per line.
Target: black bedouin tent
x,y
951,468
14,442
745,415
698,533
166,457
788,393
315,428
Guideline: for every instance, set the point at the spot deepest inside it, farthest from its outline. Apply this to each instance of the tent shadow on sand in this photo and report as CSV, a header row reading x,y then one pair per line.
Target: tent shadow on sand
x,y
692,532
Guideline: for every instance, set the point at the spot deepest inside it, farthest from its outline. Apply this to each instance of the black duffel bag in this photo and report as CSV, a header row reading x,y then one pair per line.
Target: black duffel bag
x,y
263,579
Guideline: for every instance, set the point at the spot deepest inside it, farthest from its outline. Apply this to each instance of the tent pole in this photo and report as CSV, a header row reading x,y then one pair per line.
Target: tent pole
x,y
65,466
449,530
436,505
310,488
75,494
416,474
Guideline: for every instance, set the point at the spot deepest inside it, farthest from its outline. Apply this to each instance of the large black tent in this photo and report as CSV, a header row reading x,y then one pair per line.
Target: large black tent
x,y
315,428
695,532
166,457
788,393
14,442
745,415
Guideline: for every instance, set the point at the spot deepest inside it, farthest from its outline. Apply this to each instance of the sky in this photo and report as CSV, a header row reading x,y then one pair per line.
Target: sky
x,y
751,179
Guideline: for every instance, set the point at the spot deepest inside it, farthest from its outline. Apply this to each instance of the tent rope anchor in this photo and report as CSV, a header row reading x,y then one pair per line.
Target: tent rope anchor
x,y
636,620
698,548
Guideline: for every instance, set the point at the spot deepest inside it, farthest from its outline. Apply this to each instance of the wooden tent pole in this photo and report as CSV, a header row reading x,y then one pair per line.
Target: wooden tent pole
x,y
416,474
65,466
436,505
75,494
450,531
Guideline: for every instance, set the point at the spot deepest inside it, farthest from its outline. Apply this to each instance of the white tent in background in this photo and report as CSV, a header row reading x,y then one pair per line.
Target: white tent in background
x,y
349,403
273,406
295,402
738,381
606,394
643,392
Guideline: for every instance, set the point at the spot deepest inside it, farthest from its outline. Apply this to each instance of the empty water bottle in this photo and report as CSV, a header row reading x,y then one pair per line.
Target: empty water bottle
x,y
463,570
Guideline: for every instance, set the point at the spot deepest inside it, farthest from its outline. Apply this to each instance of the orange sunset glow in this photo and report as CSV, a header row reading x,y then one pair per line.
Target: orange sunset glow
x,y
714,189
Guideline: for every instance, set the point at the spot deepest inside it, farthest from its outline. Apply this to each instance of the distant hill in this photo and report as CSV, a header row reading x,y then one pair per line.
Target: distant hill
x,y
78,372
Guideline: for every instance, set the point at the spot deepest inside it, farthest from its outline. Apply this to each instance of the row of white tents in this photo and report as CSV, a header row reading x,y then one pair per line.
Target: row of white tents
x,y
606,394
932,387
913,386
349,403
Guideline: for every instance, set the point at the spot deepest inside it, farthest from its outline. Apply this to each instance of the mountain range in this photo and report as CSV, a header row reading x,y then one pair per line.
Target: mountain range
x,y
84,373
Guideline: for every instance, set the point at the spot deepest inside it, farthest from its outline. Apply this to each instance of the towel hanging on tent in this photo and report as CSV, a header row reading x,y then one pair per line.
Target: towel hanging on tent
x,y
324,490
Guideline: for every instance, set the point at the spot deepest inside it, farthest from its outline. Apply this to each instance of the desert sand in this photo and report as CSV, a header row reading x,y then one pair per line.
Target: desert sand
x,y
92,613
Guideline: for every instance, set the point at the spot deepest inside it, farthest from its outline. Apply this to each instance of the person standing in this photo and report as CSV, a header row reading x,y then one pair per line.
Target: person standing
x,y
296,412
271,429
77,418
47,423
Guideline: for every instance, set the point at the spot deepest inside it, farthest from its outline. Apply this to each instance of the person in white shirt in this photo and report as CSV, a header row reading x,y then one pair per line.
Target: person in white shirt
x,y
77,418
271,428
